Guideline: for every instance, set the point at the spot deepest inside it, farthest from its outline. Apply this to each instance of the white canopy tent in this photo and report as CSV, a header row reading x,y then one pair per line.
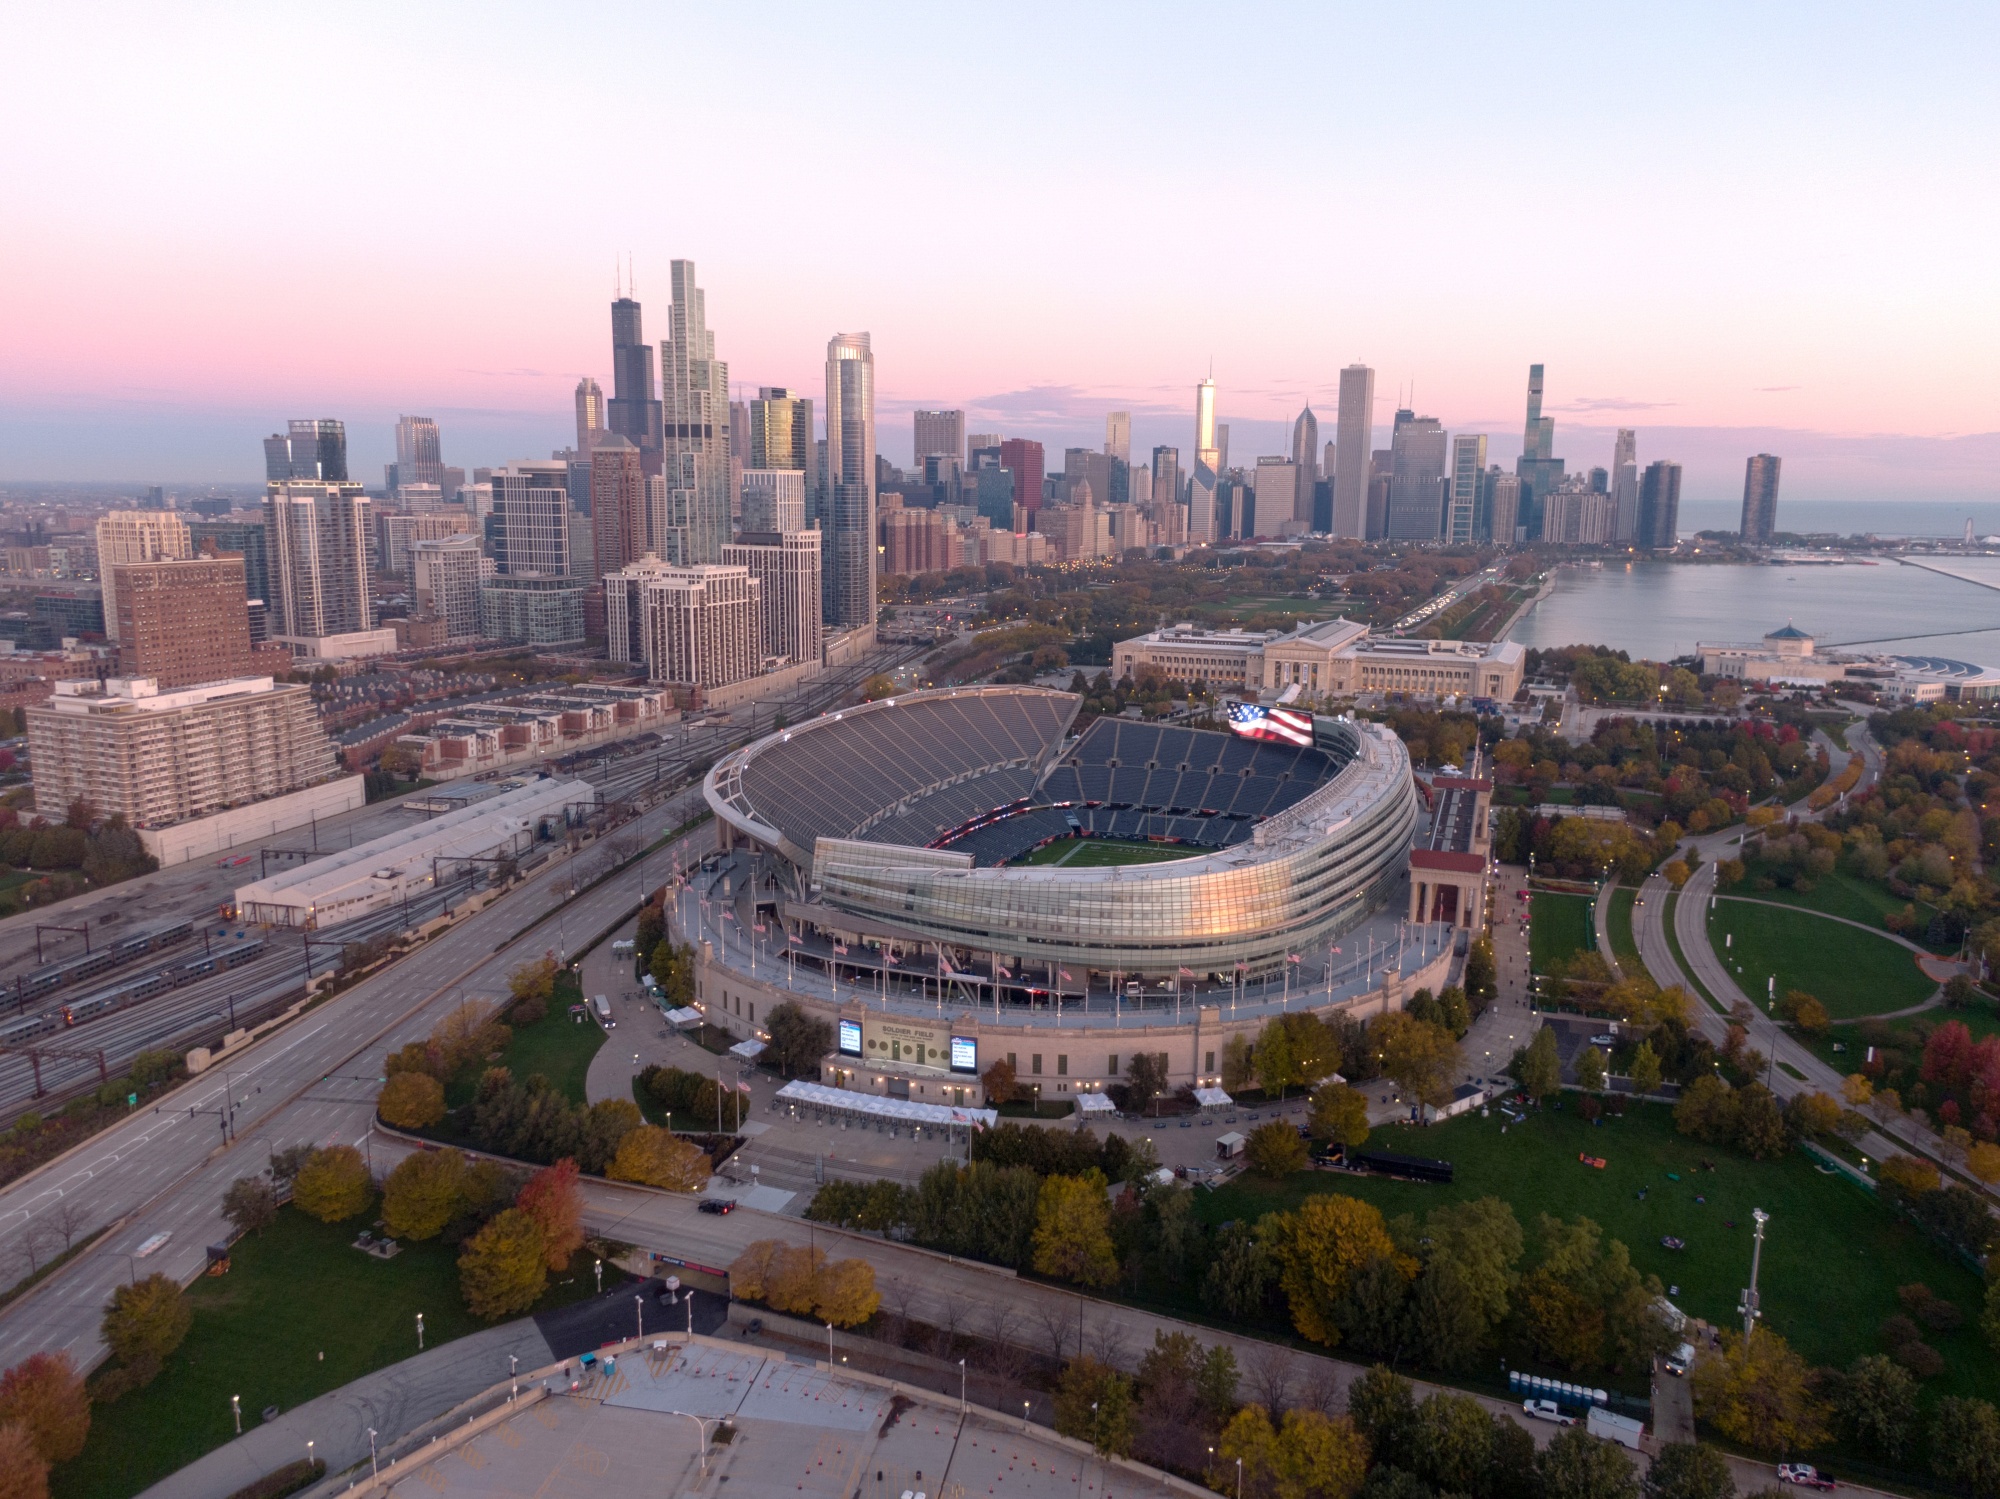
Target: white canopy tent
x,y
892,1110
685,1015
1213,1098
1094,1103
748,1050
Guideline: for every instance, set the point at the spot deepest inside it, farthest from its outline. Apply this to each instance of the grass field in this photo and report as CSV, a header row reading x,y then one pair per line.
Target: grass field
x,y
1833,1257
1618,921
255,1335
1839,894
1096,853
559,1046
1850,972
1560,927
1980,1022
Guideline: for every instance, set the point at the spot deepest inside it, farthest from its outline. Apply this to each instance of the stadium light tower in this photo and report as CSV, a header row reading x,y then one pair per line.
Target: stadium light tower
x,y
1749,1303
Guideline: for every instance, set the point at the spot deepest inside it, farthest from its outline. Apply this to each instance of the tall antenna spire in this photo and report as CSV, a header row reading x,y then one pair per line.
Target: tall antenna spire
x,y
631,278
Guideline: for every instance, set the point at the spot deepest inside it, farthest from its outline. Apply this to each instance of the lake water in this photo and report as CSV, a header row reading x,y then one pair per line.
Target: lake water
x,y
1658,610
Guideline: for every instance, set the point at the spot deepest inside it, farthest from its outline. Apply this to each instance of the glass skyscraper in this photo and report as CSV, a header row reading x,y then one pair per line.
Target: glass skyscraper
x,y
694,398
850,481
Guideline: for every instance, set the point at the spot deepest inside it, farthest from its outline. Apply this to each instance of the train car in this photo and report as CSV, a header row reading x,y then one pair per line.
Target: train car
x,y
14,1032
89,1009
243,952
167,936
187,973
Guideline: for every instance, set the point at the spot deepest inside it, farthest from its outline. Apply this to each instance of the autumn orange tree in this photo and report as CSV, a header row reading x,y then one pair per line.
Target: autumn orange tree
x,y
552,1200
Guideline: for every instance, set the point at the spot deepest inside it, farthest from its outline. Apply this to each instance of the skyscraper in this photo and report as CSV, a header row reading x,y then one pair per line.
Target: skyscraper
x,y
316,535
1118,435
125,536
1468,473
1207,467
1276,482
1760,499
448,572
589,415
1305,448
1022,457
1659,506
617,505
1625,484
774,500
787,568
850,481
1416,478
184,622
1539,468
1503,505
419,454
781,431
312,448
938,433
694,393
530,531
632,412
1352,444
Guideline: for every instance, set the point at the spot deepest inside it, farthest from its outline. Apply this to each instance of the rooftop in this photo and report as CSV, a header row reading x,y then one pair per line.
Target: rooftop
x,y
143,695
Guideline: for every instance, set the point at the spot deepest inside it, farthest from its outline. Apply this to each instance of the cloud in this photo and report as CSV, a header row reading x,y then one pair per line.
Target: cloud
x,y
1613,403
1769,388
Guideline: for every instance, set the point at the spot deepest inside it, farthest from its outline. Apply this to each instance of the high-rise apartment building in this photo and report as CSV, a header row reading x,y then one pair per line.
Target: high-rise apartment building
x,y
1118,436
316,535
699,626
246,539
774,499
1207,467
617,504
530,530
185,622
1022,457
781,437
125,536
1468,474
694,394
419,455
396,534
1305,448
1503,506
1578,513
632,411
449,573
590,416
938,432
1625,484
1416,478
1352,444
1659,506
850,593
1167,485
1539,468
1760,499
532,610
786,567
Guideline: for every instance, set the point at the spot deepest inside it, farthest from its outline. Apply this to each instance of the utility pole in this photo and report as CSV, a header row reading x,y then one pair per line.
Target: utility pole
x,y
1749,1304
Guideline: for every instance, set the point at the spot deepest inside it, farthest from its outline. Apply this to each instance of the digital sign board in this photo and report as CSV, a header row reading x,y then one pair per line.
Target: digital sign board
x,y
964,1054
850,1038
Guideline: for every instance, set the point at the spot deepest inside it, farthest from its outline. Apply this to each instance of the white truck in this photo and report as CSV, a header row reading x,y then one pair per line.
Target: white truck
x,y
601,1008
1613,1428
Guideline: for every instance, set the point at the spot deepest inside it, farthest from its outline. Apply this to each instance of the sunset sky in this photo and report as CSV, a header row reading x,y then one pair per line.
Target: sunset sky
x,y
1776,218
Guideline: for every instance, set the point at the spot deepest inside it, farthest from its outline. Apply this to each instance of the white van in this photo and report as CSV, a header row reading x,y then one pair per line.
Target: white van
x,y
1681,1360
601,1007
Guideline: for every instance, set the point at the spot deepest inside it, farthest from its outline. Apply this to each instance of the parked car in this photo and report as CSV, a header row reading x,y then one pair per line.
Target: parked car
x,y
717,1205
1547,1410
1604,1040
1805,1475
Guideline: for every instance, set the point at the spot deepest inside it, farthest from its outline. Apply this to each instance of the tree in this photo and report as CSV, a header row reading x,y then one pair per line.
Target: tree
x,y
1318,1247
798,1040
1275,1150
1857,1090
1422,1058
1145,1078
1383,1406
550,1198
655,1157
1590,1070
749,1271
1481,973
1240,1272
1644,1069
530,987
411,1100
1073,1230
1583,1304
1983,1160
1760,1393
1803,1011
1965,1445
1876,1405
1469,1274
1688,1470
423,1194
24,1472
144,1322
1094,1404
845,1294
1906,1177
1676,871
1577,1465
1001,1083
1539,1069
880,685
251,1204
45,1395
1761,1132
1339,1115
1809,1115
504,1267
332,1185
1309,1456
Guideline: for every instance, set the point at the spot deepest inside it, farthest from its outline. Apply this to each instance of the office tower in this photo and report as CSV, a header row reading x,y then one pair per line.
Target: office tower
x,y
774,499
1659,506
632,412
530,531
1276,480
310,449
1760,499
316,536
739,453
786,567
1118,436
1624,448
992,484
781,434
1375,520
419,455
1221,447
1352,441
694,398
850,594
1086,466
246,539
974,441
700,626
1416,478
1539,468
1503,506
1166,481
1305,448
184,622
448,573
1468,473
1207,467
590,423
277,457
135,536
1022,457
1625,484
938,432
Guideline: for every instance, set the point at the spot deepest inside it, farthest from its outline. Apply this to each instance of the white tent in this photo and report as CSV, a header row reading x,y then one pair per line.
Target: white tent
x,y
748,1050
1094,1103
685,1015
1213,1098
895,1110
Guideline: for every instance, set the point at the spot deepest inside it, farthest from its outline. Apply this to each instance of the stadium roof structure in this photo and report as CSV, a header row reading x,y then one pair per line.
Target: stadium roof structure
x,y
897,1110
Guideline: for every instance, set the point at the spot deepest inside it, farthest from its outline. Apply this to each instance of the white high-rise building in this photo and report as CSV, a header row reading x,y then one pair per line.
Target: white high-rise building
x,y
316,542
786,566
1277,482
1468,472
1207,467
850,481
531,519
1353,441
701,626
1305,453
774,499
1118,435
694,403
128,536
448,573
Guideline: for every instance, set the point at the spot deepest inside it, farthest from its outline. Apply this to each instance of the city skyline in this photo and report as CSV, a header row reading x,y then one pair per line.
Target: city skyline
x,y
131,362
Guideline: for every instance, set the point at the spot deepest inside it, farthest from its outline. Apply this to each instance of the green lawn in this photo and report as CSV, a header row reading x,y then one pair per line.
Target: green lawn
x,y
1851,972
1624,945
1833,1257
1838,894
1981,1022
1560,927
293,1293
1095,853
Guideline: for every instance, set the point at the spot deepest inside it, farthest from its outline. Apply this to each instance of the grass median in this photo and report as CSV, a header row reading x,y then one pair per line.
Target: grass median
x,y
1852,972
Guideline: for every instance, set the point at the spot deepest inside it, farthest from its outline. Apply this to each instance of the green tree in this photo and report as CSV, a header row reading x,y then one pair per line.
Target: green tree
x,y
411,1100
1965,1445
1240,1272
1145,1079
1383,1407
332,1185
423,1194
1317,1248
1876,1406
1577,1465
798,1040
1760,1393
1094,1404
1421,1057
504,1267
251,1204
1073,1230
1308,1456
1707,1110
1590,1070
45,1394
1469,1274
1688,1470
144,1322
1644,1069
1539,1069
1339,1115
1989,1315
1275,1150
1481,974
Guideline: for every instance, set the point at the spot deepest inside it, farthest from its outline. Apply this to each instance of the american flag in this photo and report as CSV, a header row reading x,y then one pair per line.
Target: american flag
x,y
1187,973
1291,957
759,928
1003,970
1285,724
888,957
840,948
1065,974
795,937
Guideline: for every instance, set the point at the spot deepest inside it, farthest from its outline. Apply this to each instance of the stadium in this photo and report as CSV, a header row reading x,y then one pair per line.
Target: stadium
x,y
960,869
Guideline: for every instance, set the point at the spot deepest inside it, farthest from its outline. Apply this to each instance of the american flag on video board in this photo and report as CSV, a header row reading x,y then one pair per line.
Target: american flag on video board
x,y
1285,724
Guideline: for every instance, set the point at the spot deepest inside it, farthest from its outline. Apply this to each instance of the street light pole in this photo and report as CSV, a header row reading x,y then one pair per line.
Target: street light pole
x,y
1749,1307
961,1389
374,1471
236,1410
420,1332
